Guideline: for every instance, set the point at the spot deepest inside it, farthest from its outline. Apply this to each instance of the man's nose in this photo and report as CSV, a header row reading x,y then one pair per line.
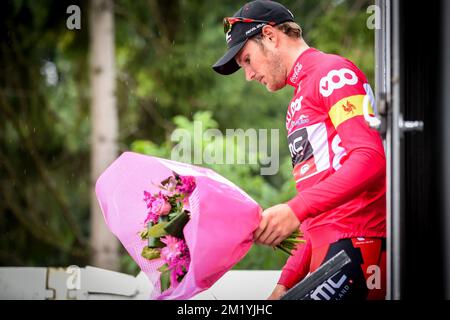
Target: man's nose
x,y
249,74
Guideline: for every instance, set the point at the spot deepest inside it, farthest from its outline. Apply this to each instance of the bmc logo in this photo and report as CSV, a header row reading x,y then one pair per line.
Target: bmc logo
x,y
337,79
299,146
329,288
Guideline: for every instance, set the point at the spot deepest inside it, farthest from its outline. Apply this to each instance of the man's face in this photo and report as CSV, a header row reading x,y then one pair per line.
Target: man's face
x,y
263,64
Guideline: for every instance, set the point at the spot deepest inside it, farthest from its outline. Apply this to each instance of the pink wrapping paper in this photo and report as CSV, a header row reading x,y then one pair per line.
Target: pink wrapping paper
x,y
219,233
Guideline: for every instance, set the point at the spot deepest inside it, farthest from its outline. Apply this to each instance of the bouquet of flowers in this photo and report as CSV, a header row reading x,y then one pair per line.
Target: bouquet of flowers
x,y
166,218
191,227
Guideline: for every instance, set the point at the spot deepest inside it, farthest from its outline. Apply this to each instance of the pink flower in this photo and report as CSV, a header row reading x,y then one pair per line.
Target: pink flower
x,y
173,248
176,255
148,198
159,206
186,184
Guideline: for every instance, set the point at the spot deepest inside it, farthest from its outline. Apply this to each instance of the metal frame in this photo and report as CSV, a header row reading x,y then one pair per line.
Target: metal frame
x,y
445,81
395,232
387,78
388,94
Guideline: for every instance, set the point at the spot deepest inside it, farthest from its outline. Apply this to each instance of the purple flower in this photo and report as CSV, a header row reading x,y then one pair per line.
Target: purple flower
x,y
186,184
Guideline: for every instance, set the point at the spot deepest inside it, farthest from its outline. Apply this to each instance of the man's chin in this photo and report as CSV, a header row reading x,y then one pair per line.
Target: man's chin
x,y
274,88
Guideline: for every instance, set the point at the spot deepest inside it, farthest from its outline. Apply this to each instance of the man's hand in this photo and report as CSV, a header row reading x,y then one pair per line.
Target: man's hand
x,y
278,292
277,224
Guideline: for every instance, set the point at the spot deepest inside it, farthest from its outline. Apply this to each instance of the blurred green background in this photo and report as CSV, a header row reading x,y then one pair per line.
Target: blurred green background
x,y
163,56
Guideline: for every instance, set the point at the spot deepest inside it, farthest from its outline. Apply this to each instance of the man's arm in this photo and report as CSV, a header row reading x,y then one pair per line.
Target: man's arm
x,y
297,266
295,269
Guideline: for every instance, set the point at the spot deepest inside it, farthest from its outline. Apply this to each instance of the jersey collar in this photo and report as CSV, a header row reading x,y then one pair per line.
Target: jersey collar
x,y
294,76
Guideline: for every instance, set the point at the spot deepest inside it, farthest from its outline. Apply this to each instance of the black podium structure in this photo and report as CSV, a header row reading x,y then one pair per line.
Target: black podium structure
x,y
413,96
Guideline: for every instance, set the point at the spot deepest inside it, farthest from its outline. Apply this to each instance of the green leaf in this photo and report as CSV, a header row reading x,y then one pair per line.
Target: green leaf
x,y
165,281
165,277
157,230
144,234
176,225
163,268
173,215
150,253
163,219
155,243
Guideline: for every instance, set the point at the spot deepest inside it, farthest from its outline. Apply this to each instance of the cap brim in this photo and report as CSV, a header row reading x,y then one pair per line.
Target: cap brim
x,y
227,64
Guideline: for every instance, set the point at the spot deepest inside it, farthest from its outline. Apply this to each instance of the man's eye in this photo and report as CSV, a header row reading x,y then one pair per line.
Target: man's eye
x,y
247,60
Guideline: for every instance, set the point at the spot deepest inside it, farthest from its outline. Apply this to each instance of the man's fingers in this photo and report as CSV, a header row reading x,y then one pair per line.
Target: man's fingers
x,y
271,238
266,237
276,224
262,227
277,241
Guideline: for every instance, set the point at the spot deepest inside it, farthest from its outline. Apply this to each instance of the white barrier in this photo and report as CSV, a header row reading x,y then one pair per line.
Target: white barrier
x,y
89,283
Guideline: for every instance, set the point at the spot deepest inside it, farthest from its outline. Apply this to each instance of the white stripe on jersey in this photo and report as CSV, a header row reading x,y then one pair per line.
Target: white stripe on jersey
x,y
317,136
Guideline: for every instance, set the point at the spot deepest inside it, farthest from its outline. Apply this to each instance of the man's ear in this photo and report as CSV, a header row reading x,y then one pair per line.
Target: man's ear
x,y
270,34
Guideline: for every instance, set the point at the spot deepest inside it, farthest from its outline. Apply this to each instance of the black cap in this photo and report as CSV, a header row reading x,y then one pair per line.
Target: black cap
x,y
263,10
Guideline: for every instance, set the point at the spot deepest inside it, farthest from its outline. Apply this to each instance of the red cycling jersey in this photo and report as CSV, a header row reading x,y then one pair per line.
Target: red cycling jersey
x,y
338,159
